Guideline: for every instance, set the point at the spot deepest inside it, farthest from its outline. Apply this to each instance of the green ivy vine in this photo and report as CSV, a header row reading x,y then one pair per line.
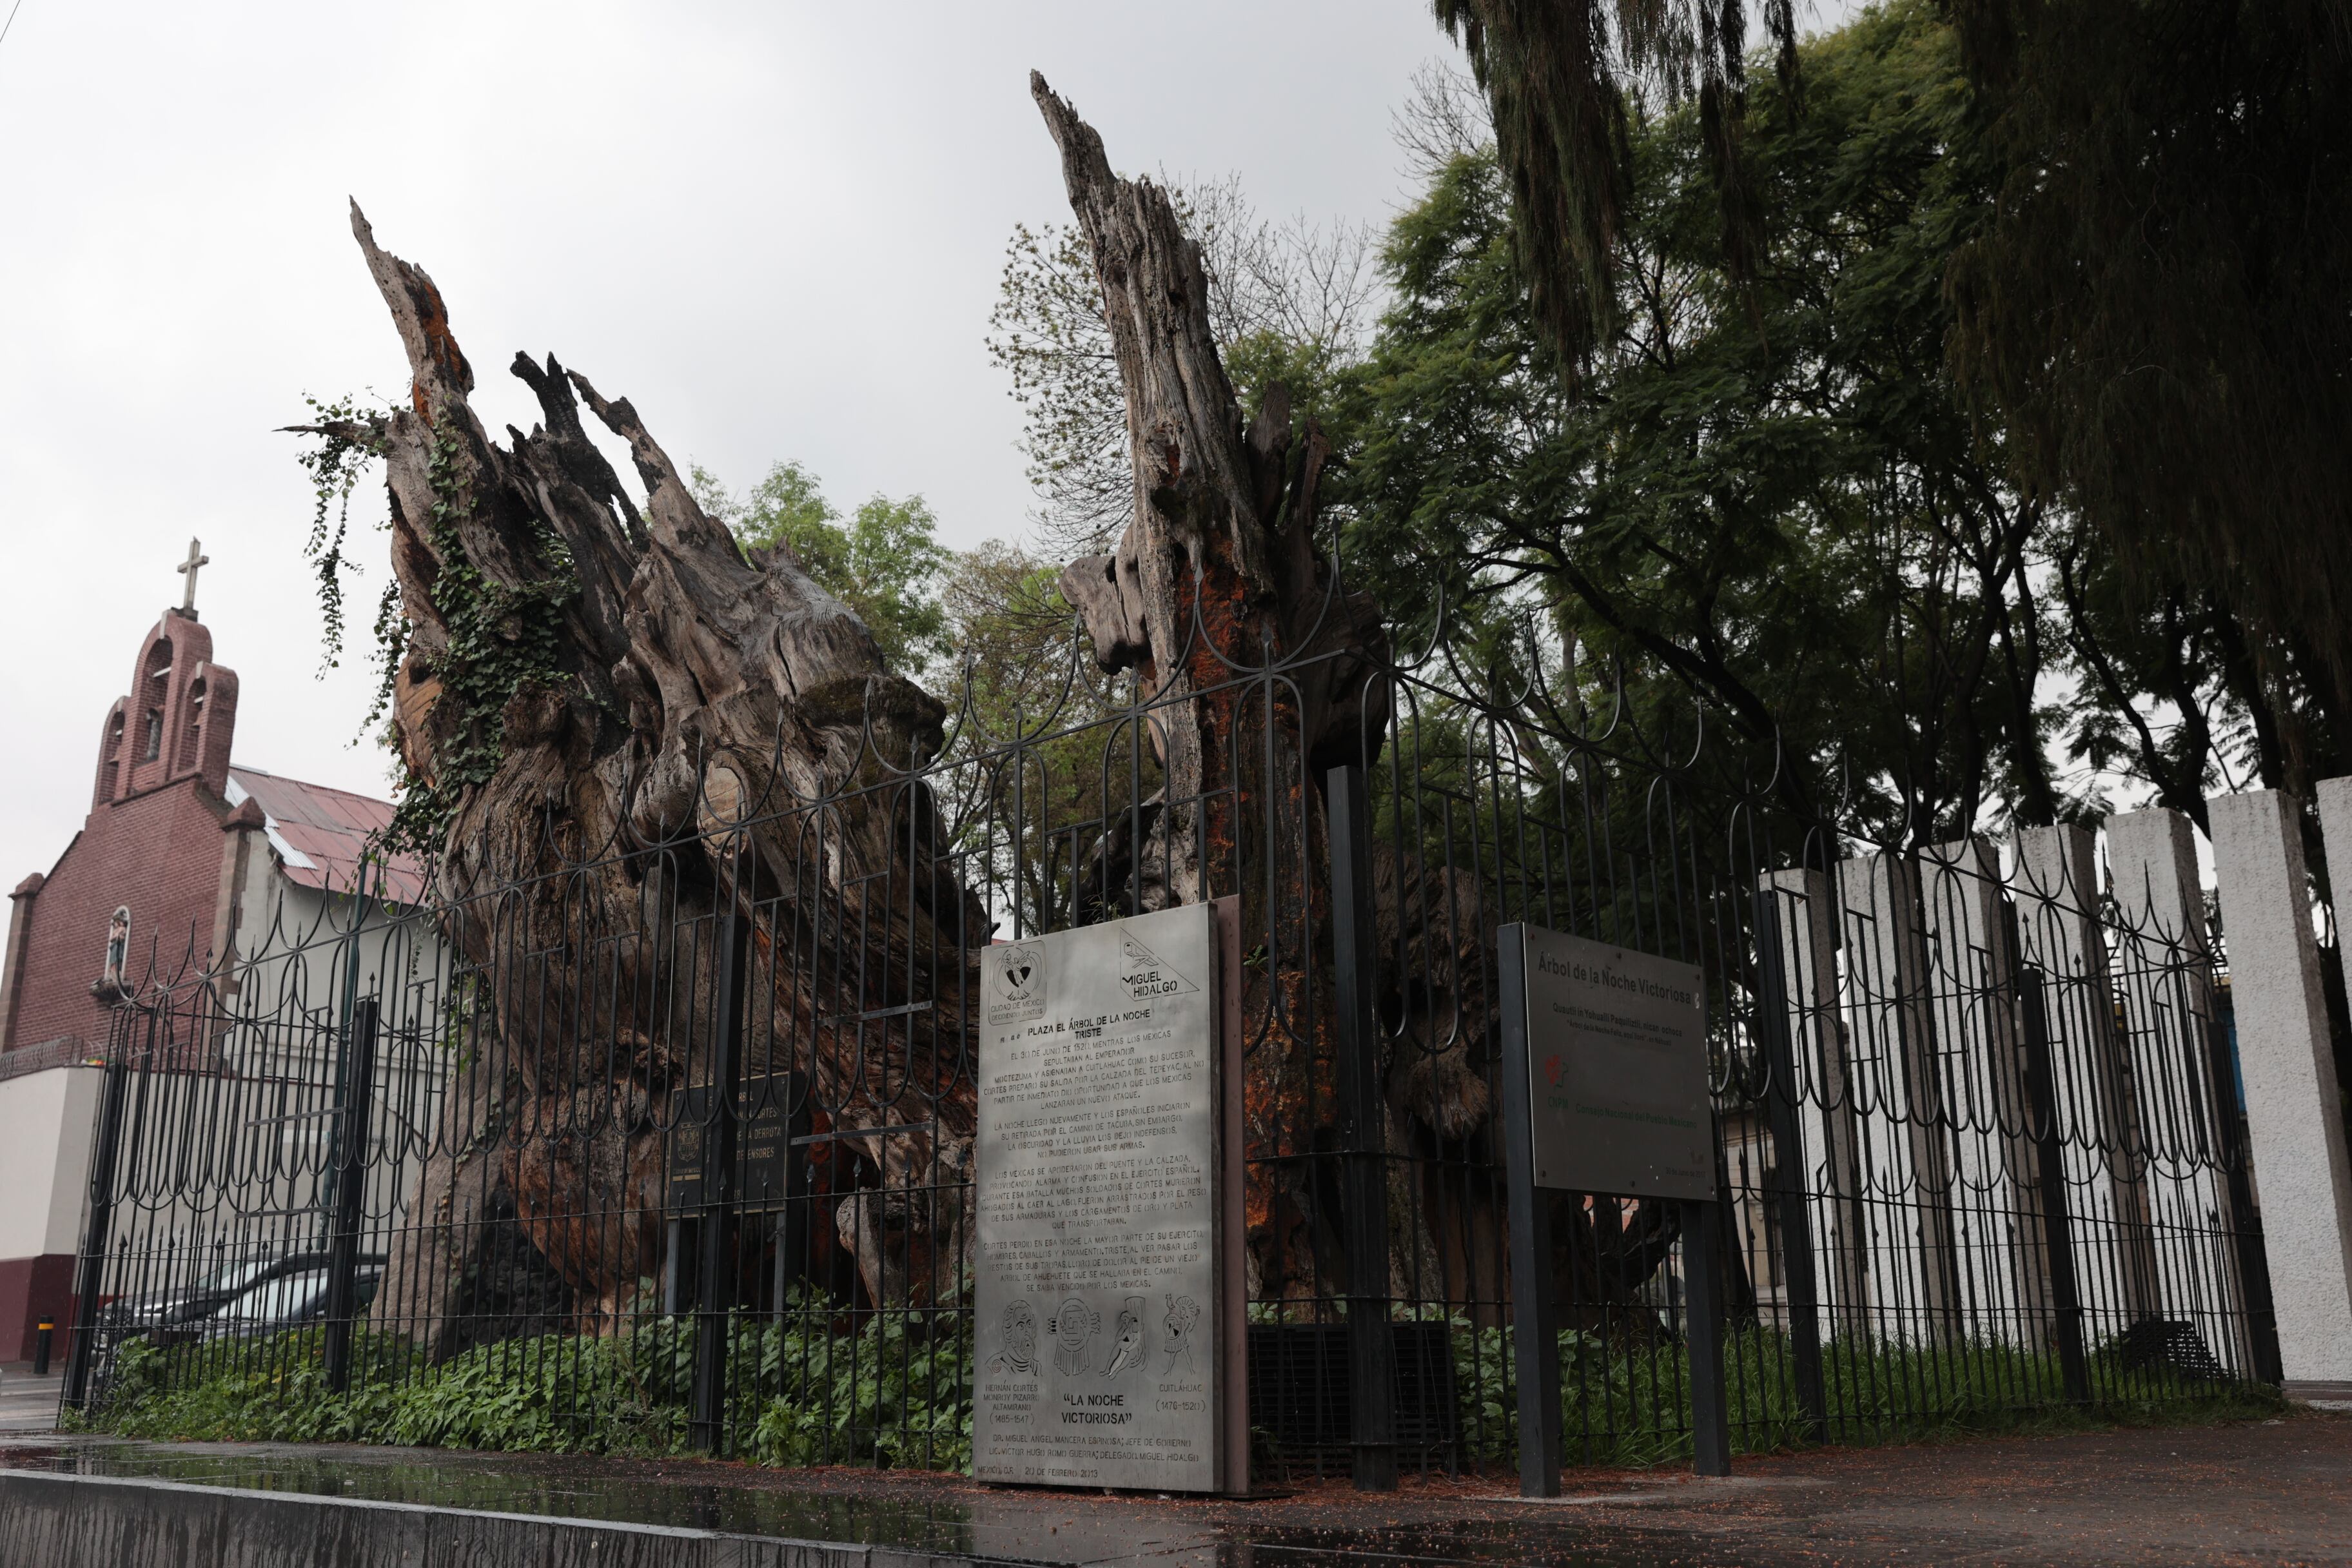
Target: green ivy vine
x,y
499,638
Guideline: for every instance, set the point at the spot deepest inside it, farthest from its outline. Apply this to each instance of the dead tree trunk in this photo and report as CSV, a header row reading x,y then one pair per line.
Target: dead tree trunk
x,y
622,713
1219,574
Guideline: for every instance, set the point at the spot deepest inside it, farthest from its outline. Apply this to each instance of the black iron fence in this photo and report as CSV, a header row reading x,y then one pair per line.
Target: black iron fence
x,y
669,1146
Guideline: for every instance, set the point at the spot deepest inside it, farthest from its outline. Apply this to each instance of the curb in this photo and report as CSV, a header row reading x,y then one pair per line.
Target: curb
x,y
110,1521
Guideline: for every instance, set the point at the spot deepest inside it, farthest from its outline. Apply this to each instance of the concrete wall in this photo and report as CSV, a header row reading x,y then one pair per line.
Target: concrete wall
x,y
45,1124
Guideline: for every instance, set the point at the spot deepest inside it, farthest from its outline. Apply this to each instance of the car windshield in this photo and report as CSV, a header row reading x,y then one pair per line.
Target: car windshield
x,y
229,1278
279,1300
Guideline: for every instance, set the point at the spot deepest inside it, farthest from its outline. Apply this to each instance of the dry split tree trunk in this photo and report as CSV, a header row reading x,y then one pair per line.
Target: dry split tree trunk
x,y
1218,574
634,789
622,797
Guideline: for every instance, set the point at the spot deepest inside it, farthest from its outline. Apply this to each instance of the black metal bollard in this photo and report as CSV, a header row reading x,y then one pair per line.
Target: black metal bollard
x,y
42,1338
1703,1335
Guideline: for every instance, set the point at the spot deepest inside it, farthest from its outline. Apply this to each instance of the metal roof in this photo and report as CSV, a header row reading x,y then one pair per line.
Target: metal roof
x,y
319,833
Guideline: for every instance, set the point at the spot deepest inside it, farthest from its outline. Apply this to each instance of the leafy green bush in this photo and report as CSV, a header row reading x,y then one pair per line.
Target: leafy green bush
x,y
895,1390
898,1393
1630,1404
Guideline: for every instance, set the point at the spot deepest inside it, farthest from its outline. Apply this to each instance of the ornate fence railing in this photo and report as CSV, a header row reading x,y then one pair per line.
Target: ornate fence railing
x,y
462,1173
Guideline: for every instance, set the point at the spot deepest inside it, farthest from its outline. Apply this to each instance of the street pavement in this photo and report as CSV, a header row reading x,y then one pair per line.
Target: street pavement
x,y
30,1403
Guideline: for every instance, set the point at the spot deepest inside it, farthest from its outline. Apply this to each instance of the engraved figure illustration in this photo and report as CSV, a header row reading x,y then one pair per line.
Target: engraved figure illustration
x,y
1015,990
1073,1325
1016,1341
1145,973
1017,973
1184,1317
1126,1349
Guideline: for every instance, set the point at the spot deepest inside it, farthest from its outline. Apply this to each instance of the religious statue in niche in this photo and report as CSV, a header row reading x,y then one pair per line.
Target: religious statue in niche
x,y
1073,1325
1184,1317
1126,1349
108,987
1016,1341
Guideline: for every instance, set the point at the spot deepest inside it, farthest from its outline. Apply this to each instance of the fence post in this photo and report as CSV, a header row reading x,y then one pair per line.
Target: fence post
x,y
349,1174
707,1426
2042,1106
1702,1337
2252,1252
90,1272
792,1210
1789,1167
1355,951
1534,1333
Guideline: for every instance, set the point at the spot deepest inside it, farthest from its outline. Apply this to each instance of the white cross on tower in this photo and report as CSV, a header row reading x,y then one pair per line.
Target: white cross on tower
x,y
188,569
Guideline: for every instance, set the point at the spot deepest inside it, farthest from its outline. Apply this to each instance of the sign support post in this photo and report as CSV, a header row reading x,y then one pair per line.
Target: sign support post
x,y
1605,1092
1703,1336
1535,1330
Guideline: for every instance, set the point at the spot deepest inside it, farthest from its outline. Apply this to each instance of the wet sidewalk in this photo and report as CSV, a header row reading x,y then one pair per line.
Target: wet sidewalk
x,y
2272,1493
28,1403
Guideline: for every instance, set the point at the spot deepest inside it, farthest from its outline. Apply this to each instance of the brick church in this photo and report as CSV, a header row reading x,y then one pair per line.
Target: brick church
x,y
187,856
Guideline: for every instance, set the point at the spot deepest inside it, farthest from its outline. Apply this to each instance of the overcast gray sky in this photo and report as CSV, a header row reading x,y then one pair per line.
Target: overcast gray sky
x,y
776,227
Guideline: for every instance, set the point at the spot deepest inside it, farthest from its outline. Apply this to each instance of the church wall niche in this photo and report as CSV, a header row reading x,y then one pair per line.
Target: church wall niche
x,y
191,726
112,740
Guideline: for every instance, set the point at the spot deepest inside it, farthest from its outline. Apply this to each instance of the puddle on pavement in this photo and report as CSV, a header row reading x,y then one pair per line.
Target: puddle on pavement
x,y
1019,1528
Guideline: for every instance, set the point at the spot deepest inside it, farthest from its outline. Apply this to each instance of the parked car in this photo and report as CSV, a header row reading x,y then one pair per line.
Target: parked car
x,y
287,1300
156,1315
189,1313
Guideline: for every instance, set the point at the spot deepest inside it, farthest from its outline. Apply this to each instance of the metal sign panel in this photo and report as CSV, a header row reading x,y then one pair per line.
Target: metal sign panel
x,y
1096,1165
772,1114
1616,1068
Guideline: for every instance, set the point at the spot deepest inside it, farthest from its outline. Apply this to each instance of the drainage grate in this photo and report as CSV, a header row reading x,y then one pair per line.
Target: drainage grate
x,y
1301,1399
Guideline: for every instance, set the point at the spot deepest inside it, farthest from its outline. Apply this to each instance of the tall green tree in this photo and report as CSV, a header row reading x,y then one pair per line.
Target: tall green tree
x,y
884,561
2156,310
1288,302
2151,314
1768,491
1566,78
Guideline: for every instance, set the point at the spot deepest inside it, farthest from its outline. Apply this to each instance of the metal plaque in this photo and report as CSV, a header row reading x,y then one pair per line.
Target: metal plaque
x,y
772,1115
1097,1181
1616,1069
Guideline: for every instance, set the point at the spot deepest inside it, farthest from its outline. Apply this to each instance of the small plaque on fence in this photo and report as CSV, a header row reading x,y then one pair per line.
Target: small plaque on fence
x,y
771,1112
1616,1068
1100,1272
